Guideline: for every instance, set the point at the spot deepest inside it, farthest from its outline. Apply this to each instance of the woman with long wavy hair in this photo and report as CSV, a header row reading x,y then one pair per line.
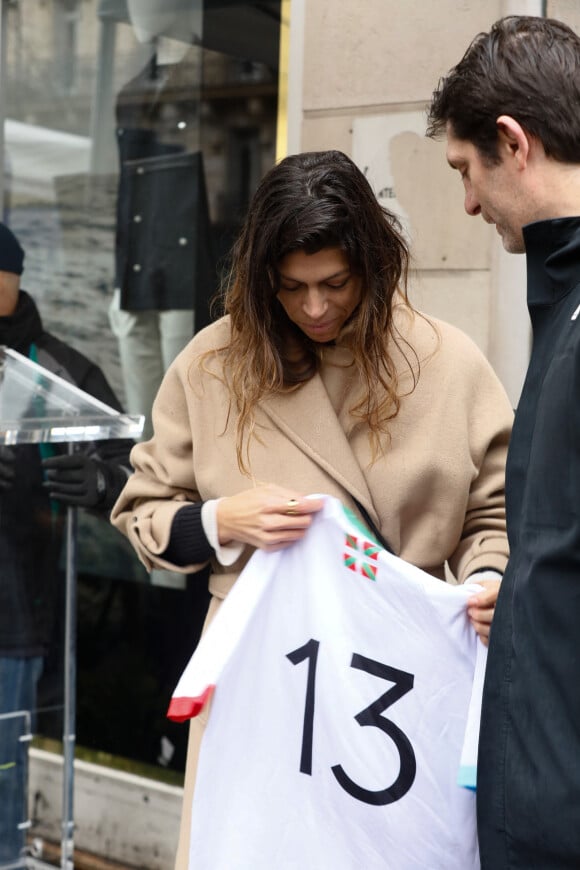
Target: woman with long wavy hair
x,y
320,377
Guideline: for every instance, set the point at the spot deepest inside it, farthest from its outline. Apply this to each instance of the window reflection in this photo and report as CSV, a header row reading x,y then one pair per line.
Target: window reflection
x,y
163,247
135,133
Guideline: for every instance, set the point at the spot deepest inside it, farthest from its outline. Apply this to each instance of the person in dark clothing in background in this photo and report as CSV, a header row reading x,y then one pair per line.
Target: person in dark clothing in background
x,y
37,482
510,112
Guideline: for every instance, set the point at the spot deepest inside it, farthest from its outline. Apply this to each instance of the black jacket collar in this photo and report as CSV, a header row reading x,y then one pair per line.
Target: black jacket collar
x,y
553,259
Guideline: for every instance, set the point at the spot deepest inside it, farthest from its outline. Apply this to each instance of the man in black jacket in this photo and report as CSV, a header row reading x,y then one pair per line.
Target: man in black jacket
x,y
37,482
510,113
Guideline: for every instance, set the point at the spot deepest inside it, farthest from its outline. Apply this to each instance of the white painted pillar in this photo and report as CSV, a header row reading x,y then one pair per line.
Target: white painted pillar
x,y
296,76
510,331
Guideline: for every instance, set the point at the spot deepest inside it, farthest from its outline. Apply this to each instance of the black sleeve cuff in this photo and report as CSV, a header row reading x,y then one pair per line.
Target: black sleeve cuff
x,y
188,543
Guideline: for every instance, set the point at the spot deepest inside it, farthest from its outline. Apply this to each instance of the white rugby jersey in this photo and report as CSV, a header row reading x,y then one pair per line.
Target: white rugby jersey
x,y
341,680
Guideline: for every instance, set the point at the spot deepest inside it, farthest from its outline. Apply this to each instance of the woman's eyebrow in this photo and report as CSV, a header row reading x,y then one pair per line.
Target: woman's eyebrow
x,y
326,278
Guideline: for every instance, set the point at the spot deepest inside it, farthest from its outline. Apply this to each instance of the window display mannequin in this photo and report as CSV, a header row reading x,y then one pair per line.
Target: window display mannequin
x,y
164,268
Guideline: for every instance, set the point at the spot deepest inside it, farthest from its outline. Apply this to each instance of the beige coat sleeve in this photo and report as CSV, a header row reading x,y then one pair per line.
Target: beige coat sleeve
x,y
488,420
164,477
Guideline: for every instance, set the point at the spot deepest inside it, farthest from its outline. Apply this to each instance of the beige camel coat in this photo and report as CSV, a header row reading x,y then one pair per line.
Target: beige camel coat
x,y
437,493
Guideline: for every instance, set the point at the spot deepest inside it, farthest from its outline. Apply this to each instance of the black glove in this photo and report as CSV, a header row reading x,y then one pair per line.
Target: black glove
x,y
7,467
80,481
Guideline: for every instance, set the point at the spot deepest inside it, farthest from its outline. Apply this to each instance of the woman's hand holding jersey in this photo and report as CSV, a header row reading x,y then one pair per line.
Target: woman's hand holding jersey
x,y
269,517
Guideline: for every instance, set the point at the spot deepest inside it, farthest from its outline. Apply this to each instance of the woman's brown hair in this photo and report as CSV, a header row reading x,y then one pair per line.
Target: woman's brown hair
x,y
308,202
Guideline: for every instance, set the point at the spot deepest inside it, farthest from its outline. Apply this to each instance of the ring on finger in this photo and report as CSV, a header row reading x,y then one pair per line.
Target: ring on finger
x,y
291,506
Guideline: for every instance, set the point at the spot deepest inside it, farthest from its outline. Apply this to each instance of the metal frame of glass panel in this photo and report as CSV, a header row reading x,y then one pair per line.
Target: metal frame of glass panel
x,y
37,406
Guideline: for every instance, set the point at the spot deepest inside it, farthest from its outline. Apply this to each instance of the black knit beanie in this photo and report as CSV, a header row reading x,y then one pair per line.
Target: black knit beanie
x,y
11,254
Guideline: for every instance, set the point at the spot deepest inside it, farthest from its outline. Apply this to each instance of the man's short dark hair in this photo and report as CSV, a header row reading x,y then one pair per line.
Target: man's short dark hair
x,y
526,67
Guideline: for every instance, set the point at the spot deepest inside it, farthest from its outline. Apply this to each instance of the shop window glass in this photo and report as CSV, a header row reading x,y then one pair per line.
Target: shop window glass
x,y
134,135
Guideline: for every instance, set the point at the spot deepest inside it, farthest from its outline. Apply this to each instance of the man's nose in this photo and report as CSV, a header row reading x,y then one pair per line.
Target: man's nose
x,y
471,203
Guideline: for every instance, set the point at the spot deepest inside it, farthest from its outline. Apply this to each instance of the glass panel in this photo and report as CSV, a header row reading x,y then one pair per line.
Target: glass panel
x,y
38,406
135,133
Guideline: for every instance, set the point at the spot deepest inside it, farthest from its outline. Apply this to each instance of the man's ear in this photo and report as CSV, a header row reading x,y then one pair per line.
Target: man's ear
x,y
513,140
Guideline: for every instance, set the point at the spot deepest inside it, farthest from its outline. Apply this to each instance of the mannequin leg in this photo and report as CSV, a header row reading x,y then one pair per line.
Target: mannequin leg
x,y
141,357
176,330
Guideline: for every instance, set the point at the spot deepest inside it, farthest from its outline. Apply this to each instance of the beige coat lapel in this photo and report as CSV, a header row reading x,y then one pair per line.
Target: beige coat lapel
x,y
308,419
